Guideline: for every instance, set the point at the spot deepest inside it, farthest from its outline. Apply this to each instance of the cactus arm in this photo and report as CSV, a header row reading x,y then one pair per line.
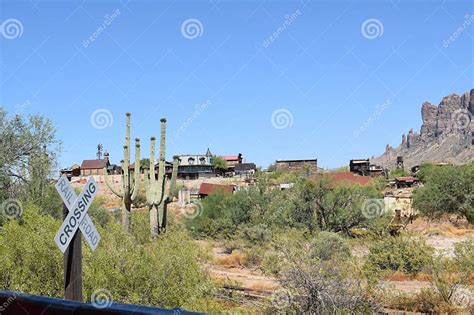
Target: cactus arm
x,y
148,195
174,175
110,185
126,171
152,182
162,167
136,175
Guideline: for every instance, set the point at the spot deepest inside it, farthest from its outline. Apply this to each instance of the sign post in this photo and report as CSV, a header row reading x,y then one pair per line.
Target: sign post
x,y
68,239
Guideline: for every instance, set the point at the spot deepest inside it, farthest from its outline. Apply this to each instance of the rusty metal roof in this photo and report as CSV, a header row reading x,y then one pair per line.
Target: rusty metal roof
x,y
94,164
207,188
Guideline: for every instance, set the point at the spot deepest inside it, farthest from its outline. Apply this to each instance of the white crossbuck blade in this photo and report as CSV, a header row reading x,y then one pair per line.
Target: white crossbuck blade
x,y
77,216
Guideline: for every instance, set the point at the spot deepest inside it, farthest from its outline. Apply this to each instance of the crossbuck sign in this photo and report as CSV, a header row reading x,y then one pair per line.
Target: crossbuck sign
x,y
77,217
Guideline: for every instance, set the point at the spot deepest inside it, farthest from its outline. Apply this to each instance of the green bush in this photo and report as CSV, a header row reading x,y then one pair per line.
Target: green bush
x,y
328,245
448,190
166,272
406,254
257,234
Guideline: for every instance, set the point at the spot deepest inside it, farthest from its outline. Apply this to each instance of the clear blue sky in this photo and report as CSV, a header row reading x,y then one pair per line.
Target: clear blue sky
x,y
345,90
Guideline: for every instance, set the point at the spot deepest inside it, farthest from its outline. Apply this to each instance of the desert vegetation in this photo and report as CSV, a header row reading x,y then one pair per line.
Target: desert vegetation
x,y
324,253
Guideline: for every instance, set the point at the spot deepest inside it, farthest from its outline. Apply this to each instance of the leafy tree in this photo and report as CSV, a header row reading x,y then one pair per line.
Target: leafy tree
x,y
336,209
219,163
447,190
28,154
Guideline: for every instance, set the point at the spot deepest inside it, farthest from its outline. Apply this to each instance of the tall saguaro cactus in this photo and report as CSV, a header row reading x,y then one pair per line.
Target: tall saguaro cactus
x,y
130,185
156,195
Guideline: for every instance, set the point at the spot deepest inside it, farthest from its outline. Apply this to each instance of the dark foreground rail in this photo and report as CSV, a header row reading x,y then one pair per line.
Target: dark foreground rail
x,y
13,303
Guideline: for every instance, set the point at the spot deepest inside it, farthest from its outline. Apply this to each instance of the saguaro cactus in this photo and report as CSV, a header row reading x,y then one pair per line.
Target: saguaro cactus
x,y
130,185
156,195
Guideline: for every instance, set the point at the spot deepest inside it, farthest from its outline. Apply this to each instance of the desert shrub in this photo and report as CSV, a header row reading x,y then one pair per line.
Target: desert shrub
x,y
165,273
314,286
403,253
451,276
30,261
427,301
140,226
230,245
222,214
398,173
98,213
328,245
257,234
448,190
320,206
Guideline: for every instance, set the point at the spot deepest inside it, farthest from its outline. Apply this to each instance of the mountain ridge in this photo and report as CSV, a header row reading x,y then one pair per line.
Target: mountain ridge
x,y
446,135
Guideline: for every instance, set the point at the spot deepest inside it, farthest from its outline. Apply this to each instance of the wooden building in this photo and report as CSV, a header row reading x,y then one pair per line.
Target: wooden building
x,y
310,165
195,166
246,169
232,160
360,166
94,167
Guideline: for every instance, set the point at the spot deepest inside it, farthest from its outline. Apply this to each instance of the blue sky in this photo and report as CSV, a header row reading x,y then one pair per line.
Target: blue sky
x,y
332,80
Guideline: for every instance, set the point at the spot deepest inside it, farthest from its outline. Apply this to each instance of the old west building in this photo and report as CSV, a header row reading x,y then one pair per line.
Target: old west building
x,y
207,188
310,165
360,166
94,167
245,169
232,160
194,166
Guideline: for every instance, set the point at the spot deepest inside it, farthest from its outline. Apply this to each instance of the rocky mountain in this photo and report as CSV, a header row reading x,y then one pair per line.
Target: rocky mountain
x,y
446,135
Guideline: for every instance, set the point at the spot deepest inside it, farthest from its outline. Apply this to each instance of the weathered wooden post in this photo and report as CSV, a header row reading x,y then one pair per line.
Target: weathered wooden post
x,y
73,264
69,239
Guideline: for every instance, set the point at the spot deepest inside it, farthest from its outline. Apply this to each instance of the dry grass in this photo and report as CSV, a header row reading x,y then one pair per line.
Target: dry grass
x,y
236,259
264,286
398,276
401,276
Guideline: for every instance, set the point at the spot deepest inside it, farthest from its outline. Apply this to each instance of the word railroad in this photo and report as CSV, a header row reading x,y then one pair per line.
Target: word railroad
x,y
77,217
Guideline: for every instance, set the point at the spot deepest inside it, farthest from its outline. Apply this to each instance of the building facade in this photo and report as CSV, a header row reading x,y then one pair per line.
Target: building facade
x,y
309,165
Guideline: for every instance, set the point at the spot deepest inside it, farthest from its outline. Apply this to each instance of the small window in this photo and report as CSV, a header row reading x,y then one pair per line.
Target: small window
x,y
191,161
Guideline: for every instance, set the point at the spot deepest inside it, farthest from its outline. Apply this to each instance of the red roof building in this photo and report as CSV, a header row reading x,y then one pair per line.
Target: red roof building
x,y
94,167
348,178
232,160
206,189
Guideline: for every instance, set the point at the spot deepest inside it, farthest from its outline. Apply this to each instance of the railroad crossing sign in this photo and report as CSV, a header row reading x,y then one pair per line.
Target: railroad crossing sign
x,y
77,218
